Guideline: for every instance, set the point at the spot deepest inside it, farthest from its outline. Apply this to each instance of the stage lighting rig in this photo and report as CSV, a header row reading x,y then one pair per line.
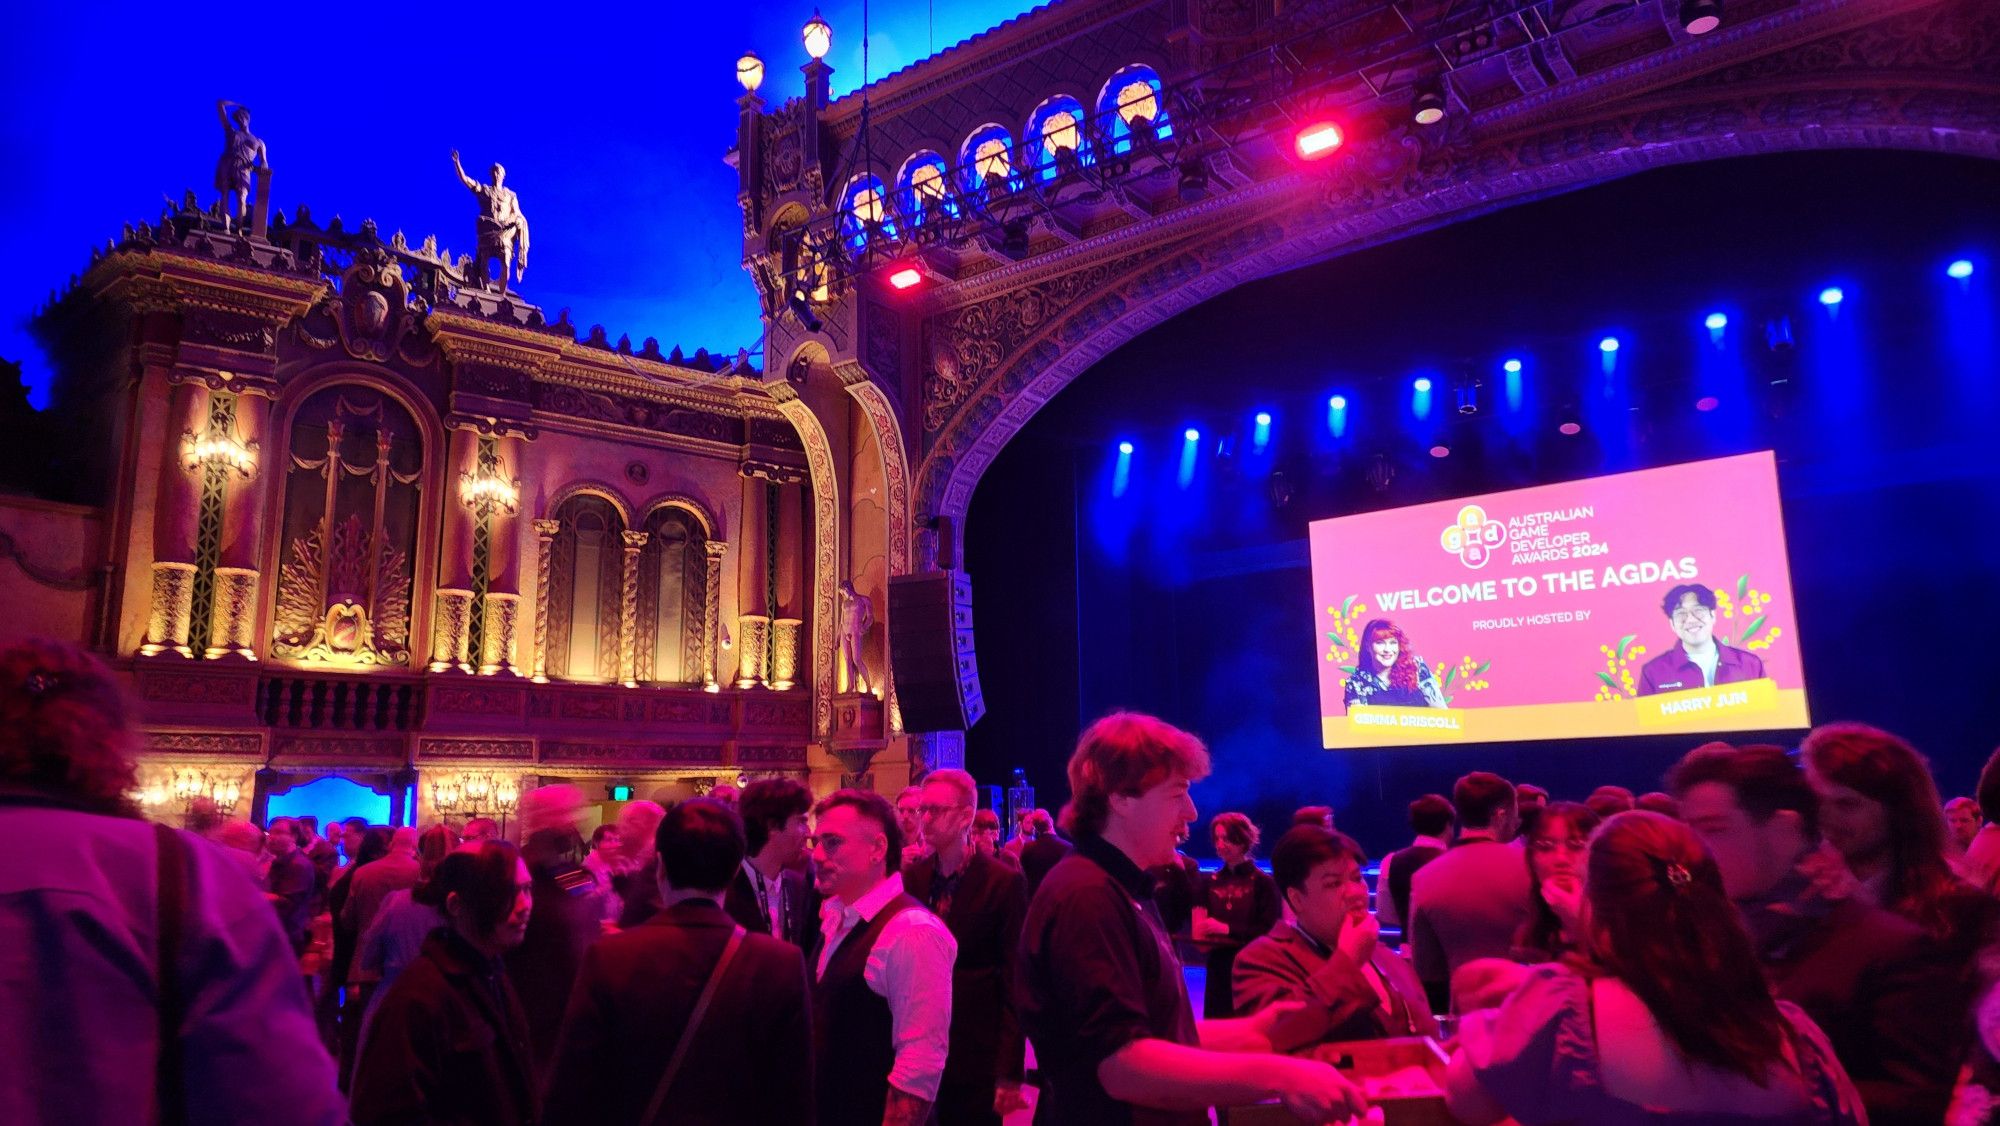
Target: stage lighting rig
x,y
1699,17
1429,106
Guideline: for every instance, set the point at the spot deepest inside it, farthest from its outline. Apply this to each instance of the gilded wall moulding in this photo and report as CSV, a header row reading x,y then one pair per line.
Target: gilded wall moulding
x,y
428,748
196,689
452,699
703,710
776,713
635,754
290,750
968,346
749,754
228,744
679,420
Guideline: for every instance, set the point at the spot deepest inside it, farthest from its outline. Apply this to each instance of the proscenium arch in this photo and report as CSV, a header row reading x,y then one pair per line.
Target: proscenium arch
x,y
887,426
825,481
1396,187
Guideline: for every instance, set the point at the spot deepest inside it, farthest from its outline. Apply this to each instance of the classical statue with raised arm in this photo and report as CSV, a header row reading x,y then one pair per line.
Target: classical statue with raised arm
x,y
242,152
502,229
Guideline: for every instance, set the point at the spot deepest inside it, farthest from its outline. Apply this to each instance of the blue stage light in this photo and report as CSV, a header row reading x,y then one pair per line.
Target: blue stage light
x,y
1125,448
1192,434
1263,418
1716,322
1422,384
1511,367
1338,402
1608,345
1959,270
1831,296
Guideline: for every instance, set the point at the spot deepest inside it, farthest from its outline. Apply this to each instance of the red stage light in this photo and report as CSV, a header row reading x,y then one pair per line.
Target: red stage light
x,y
1319,140
905,277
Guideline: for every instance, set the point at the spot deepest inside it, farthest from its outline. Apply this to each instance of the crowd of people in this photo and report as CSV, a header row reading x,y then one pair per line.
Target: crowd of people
x,y
1799,937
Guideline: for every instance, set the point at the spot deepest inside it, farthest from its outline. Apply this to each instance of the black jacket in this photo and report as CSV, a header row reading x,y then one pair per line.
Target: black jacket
x,y
985,917
801,908
447,1044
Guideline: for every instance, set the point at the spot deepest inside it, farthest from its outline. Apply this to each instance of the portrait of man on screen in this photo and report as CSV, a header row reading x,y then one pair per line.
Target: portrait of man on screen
x,y
1696,659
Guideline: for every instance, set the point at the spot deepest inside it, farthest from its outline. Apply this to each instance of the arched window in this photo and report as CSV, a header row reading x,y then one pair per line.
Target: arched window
x,y
586,587
1056,141
986,162
1131,105
864,213
673,578
923,189
350,530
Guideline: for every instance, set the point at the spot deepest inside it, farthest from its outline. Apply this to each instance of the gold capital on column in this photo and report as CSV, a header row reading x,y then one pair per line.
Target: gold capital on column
x,y
545,537
502,610
451,631
753,639
173,603
235,614
711,613
784,653
628,610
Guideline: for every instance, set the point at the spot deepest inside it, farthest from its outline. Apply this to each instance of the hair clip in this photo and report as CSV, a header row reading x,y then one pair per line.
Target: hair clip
x,y
1678,877
39,684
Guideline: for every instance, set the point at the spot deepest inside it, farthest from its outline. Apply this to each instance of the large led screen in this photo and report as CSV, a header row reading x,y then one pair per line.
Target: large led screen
x,y
1646,603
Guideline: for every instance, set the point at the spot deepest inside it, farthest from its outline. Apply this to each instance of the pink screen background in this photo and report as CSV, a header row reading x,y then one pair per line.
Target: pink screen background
x,y
1724,513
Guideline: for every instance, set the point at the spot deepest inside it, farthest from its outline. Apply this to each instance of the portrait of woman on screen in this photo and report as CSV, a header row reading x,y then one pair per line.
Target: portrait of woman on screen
x,y
1389,673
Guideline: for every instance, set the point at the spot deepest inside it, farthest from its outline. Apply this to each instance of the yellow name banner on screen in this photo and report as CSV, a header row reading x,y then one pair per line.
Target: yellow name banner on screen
x,y
1757,705
1671,709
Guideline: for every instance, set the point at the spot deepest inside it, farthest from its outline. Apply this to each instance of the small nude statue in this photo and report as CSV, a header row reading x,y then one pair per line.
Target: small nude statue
x,y
857,616
242,153
502,229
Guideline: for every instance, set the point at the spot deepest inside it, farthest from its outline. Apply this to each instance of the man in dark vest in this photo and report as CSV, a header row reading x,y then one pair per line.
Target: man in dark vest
x,y
982,900
882,1002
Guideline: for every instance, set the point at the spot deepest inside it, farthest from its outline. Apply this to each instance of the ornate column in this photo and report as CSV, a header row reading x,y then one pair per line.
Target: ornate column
x,y
176,514
753,642
628,610
503,568
784,653
545,539
234,622
451,624
711,613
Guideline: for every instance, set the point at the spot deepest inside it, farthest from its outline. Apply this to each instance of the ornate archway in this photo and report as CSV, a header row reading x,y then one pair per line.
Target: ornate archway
x,y
1021,289
1924,81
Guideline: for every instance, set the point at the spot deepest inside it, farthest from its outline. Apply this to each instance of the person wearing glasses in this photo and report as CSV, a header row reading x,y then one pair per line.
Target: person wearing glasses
x,y
1697,660
1556,847
982,901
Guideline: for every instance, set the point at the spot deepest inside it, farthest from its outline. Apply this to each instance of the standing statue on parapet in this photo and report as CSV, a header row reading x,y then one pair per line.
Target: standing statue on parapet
x,y
503,230
242,152
857,617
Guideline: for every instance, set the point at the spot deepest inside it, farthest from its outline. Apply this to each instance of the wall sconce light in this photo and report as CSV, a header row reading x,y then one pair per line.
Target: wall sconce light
x,y
228,452
485,491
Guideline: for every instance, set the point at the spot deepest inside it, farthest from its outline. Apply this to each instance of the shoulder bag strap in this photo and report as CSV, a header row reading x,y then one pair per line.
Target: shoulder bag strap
x,y
171,859
659,1099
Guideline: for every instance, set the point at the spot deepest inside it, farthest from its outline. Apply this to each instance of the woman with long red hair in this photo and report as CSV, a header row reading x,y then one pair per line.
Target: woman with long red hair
x,y
1388,672
1666,1020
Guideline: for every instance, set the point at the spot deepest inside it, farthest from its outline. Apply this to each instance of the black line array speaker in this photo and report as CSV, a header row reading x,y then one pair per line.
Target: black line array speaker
x,y
930,649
